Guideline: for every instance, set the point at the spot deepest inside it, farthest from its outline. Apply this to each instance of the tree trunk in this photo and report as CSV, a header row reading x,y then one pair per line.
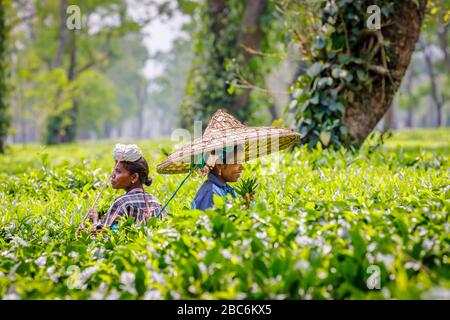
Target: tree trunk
x,y
141,94
273,112
71,129
434,90
389,119
409,118
229,28
107,129
68,133
216,13
4,116
54,134
409,109
362,115
442,33
249,40
62,35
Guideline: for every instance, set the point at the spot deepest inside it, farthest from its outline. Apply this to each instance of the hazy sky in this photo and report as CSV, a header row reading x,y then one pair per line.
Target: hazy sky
x,y
159,34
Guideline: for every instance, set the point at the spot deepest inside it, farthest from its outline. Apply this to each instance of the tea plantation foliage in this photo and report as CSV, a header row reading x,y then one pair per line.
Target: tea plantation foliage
x,y
318,221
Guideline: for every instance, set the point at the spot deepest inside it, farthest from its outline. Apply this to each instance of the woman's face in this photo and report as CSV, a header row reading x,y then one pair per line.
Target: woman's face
x,y
232,172
121,178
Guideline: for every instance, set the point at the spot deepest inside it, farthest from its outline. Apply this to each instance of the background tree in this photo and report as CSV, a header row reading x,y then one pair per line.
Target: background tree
x,y
166,91
4,113
408,99
238,55
433,44
51,62
423,93
226,64
356,70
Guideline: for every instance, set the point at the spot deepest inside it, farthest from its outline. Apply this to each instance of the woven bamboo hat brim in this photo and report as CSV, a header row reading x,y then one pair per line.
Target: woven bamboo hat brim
x,y
224,130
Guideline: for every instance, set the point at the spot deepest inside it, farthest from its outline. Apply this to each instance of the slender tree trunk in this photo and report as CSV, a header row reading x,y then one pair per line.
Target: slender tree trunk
x,y
22,121
72,127
362,115
409,118
54,134
434,90
216,13
249,40
442,33
4,122
4,115
141,94
227,42
67,133
107,128
62,35
389,118
273,112
409,109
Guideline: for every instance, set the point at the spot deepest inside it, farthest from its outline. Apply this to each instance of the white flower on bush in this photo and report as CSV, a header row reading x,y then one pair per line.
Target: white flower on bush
x,y
45,239
88,272
415,265
78,280
387,259
326,249
254,288
427,244
8,255
302,265
113,295
51,274
99,252
437,293
152,294
304,241
202,267
261,235
226,254
41,261
99,294
157,277
74,255
167,260
20,242
127,282
12,294
371,247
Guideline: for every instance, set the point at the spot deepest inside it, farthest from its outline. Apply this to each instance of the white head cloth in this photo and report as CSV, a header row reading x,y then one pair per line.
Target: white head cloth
x,y
127,152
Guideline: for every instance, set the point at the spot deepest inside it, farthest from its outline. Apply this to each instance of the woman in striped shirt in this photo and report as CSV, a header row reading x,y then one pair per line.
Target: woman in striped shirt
x,y
136,203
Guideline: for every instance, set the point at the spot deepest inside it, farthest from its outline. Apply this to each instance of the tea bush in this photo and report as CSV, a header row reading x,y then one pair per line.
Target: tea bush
x,y
323,224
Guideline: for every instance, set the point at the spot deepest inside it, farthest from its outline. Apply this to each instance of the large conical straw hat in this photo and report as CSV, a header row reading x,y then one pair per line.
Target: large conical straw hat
x,y
224,130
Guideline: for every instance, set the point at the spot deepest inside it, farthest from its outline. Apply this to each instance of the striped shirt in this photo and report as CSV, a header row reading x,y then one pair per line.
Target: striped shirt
x,y
132,205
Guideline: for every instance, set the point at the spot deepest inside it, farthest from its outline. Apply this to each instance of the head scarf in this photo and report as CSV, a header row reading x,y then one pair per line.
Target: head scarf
x,y
127,152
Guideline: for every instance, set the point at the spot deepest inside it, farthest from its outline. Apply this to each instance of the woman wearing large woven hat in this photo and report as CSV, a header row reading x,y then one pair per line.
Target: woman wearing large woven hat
x,y
220,152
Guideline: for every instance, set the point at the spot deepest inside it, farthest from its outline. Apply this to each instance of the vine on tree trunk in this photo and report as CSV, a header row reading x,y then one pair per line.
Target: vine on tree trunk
x,y
347,58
